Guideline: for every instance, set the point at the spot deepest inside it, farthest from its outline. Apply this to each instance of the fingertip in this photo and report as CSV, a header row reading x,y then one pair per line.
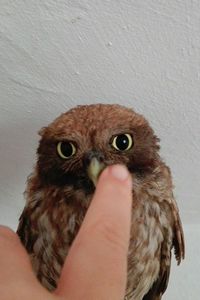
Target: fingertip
x,y
117,172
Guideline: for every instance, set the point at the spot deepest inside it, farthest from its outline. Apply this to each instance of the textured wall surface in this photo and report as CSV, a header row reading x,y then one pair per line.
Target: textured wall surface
x,y
143,54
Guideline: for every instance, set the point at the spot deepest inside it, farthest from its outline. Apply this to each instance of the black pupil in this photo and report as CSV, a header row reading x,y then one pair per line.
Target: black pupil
x,y
122,142
66,149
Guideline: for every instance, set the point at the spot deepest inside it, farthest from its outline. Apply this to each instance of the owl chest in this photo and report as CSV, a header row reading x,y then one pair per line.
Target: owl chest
x,y
55,233
150,230
57,230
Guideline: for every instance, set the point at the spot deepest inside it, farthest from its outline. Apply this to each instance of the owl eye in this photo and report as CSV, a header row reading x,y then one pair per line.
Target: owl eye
x,y
66,149
122,142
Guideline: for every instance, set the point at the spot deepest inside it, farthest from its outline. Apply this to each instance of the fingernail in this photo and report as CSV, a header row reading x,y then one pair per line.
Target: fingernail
x,y
120,172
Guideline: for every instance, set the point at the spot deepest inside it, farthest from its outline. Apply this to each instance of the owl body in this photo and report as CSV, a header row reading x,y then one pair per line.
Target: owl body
x,y
60,190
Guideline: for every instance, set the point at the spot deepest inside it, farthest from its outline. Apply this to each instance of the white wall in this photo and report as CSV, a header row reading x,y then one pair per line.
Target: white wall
x,y
144,54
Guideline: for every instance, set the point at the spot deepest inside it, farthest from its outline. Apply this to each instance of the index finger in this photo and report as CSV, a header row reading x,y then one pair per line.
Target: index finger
x,y
97,262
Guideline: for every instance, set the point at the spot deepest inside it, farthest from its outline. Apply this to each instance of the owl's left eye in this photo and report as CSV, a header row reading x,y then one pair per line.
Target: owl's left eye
x,y
66,149
122,142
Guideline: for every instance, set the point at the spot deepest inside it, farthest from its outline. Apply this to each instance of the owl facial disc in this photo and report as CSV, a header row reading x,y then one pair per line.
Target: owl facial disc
x,y
94,169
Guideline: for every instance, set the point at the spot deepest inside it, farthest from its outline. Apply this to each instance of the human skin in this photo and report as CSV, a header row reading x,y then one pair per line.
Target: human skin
x,y
96,265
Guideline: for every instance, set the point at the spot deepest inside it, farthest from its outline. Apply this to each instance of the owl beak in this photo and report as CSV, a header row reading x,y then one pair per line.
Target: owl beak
x,y
94,169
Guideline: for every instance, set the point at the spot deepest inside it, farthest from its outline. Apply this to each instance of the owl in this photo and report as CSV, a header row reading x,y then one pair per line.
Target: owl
x,y
72,152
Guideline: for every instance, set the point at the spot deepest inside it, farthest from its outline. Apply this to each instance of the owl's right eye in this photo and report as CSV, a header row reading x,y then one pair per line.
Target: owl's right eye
x,y
66,149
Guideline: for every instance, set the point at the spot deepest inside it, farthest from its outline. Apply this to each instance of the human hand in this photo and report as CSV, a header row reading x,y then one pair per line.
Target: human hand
x,y
96,265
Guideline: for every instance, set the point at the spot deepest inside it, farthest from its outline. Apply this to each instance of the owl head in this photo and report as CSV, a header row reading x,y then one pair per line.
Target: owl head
x,y
79,144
